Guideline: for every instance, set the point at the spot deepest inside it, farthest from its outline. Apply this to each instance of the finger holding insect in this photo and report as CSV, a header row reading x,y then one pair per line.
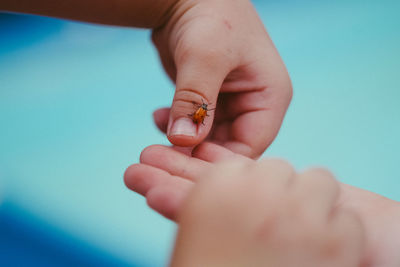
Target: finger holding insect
x,y
219,134
193,127
200,75
201,112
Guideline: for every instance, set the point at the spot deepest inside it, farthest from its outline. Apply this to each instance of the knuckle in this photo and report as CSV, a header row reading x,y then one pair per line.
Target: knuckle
x,y
280,165
186,101
189,95
320,177
328,177
188,51
320,173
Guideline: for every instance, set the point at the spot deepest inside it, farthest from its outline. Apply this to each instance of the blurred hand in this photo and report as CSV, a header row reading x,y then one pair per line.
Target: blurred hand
x,y
264,214
248,213
165,177
216,51
219,52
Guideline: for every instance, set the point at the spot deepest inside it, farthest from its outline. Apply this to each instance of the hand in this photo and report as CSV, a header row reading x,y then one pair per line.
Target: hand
x,y
264,214
248,213
218,52
166,176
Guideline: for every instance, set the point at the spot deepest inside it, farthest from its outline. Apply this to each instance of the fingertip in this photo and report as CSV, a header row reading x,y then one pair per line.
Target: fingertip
x,y
126,176
191,117
183,140
149,153
185,133
161,117
133,179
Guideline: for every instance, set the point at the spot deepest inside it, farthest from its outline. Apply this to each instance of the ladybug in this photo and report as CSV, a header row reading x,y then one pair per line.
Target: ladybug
x,y
200,114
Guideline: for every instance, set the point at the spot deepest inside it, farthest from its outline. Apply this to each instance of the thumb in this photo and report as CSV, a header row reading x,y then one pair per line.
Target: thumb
x,y
198,81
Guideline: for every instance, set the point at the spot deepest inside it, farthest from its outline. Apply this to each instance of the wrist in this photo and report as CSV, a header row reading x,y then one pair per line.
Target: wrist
x,y
165,13
133,13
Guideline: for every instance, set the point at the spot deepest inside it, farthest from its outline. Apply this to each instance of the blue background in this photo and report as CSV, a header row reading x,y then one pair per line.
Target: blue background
x,y
75,110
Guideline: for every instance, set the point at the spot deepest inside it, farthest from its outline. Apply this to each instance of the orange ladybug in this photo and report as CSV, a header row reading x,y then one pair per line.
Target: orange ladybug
x,y
200,114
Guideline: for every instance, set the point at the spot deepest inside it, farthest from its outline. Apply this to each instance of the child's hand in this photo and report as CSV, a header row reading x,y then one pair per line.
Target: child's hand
x,y
165,177
211,49
220,49
262,213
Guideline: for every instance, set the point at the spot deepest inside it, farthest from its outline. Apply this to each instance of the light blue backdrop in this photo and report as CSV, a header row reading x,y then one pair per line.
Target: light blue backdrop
x,y
76,103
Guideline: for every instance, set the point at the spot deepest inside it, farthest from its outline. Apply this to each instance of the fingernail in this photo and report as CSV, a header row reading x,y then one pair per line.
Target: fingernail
x,y
183,126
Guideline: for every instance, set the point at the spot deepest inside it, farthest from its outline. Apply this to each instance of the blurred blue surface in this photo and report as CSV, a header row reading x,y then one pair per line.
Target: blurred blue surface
x,y
26,241
75,111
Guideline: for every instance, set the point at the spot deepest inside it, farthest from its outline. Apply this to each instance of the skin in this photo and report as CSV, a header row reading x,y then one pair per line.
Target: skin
x,y
263,214
242,70
165,177
215,50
